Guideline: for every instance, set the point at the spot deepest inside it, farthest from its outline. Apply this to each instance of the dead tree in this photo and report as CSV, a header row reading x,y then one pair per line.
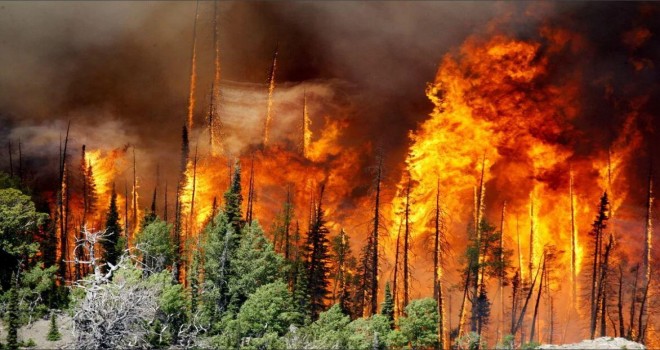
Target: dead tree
x,y
438,273
406,248
374,239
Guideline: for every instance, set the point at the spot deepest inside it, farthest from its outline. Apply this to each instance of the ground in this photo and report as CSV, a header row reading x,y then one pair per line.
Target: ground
x,y
38,330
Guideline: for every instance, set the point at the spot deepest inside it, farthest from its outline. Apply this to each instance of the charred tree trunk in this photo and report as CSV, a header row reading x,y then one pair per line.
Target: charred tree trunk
x,y
438,272
619,304
406,248
523,311
602,286
633,299
395,291
250,203
573,246
374,239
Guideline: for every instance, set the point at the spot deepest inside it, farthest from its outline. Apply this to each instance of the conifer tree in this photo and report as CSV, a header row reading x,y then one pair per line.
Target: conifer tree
x,y
112,244
13,316
53,332
387,307
317,261
300,288
234,200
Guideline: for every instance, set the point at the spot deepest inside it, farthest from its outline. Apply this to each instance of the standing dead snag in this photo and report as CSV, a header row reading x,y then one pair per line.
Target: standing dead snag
x,y
443,338
271,89
374,239
573,244
598,229
193,71
406,248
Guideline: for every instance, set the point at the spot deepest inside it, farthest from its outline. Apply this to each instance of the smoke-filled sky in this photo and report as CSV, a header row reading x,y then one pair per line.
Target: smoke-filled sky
x,y
120,70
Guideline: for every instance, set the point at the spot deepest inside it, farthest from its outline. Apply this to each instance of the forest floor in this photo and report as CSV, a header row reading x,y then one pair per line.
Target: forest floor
x,y
37,331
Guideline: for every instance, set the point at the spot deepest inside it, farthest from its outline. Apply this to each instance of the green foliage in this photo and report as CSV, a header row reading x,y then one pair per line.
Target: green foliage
x,y
255,264
156,246
420,326
113,245
369,333
301,288
18,222
53,332
387,307
318,258
330,331
12,318
234,200
507,343
7,181
220,243
269,310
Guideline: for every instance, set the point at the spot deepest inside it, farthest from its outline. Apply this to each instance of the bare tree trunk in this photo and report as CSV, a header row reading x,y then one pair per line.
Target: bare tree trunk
x,y
287,225
649,228
536,307
271,89
621,332
633,300
406,248
193,71
62,198
524,308
601,301
395,290
130,237
192,197
642,310
438,272
500,321
531,234
479,209
376,223
250,204
573,246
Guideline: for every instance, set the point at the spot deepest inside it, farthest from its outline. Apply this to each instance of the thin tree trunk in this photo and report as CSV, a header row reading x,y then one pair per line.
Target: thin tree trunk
x,y
633,300
642,311
406,248
538,300
395,291
374,257
573,246
621,332
500,321
524,308
438,272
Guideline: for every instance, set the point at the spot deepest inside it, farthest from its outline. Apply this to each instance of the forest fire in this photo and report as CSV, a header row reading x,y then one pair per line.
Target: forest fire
x,y
525,182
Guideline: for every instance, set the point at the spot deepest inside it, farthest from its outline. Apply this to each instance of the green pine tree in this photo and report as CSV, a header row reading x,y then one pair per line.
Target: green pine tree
x,y
53,332
301,288
255,264
234,200
13,321
318,258
112,245
387,307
